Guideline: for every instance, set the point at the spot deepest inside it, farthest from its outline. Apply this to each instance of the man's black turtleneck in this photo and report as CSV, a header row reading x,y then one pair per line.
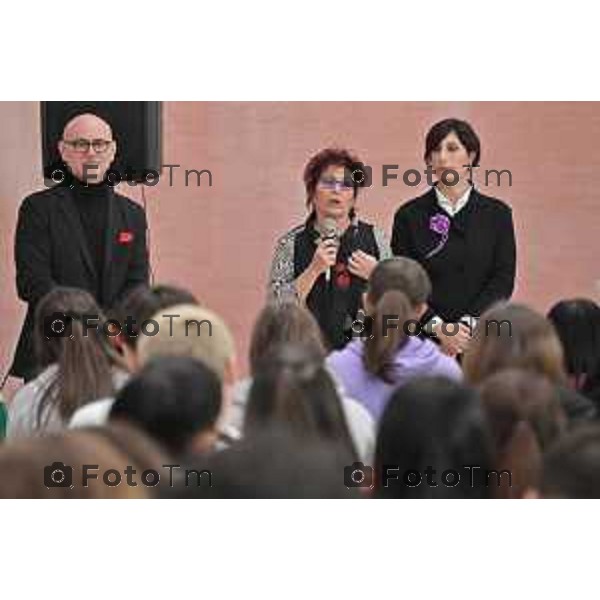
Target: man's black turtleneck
x,y
92,204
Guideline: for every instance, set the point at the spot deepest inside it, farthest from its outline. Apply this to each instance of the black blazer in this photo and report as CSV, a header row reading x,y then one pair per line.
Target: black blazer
x,y
475,268
51,250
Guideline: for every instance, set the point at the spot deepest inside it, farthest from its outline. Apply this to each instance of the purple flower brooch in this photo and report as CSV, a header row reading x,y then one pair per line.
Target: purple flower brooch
x,y
440,224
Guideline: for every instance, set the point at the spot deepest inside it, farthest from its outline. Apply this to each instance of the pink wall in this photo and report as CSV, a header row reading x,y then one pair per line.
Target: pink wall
x,y
218,240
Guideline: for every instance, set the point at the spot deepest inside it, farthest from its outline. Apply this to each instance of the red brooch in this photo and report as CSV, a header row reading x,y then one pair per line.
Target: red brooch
x,y
342,276
125,237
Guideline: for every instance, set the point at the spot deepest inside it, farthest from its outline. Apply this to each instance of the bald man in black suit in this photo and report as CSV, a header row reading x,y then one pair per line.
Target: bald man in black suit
x,y
80,233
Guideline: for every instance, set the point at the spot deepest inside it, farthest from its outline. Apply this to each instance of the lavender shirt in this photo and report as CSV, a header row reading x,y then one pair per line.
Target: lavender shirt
x,y
417,357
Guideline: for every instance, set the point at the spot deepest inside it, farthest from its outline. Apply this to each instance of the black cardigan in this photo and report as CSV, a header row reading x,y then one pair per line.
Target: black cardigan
x,y
475,268
335,304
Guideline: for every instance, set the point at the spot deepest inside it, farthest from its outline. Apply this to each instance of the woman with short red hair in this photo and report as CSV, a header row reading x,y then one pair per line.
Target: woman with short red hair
x,y
326,261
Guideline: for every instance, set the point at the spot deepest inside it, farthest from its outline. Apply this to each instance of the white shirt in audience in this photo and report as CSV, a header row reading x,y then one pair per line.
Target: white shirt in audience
x,y
24,406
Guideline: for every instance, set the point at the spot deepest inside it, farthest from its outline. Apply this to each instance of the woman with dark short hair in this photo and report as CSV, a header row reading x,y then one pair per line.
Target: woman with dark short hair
x,y
325,262
463,238
176,400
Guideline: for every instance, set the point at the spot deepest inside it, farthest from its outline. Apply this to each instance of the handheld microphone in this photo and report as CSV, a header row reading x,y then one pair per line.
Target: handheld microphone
x,y
329,231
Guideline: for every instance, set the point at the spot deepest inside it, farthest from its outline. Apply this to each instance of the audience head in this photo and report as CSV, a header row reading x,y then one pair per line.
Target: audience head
x,y
395,300
514,336
526,418
53,466
571,467
292,390
283,323
127,437
174,399
272,464
193,331
82,354
136,309
87,147
577,323
433,424
327,196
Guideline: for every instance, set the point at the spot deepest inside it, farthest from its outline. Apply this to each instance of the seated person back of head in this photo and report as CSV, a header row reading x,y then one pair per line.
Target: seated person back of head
x,y
433,442
577,323
511,335
293,391
371,368
136,309
79,364
73,464
571,467
281,323
174,399
525,415
271,464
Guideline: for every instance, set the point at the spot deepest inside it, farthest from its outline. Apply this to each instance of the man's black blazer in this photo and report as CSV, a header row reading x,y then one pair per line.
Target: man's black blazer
x,y
475,268
51,250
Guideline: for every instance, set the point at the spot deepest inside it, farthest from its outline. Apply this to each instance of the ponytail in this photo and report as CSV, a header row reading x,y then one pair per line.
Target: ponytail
x,y
397,287
389,332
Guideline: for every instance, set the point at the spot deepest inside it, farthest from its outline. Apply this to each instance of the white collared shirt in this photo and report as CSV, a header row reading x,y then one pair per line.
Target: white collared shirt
x,y
452,208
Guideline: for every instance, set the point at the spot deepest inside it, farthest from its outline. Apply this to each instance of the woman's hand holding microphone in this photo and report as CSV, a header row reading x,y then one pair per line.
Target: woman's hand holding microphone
x,y
325,256
323,259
